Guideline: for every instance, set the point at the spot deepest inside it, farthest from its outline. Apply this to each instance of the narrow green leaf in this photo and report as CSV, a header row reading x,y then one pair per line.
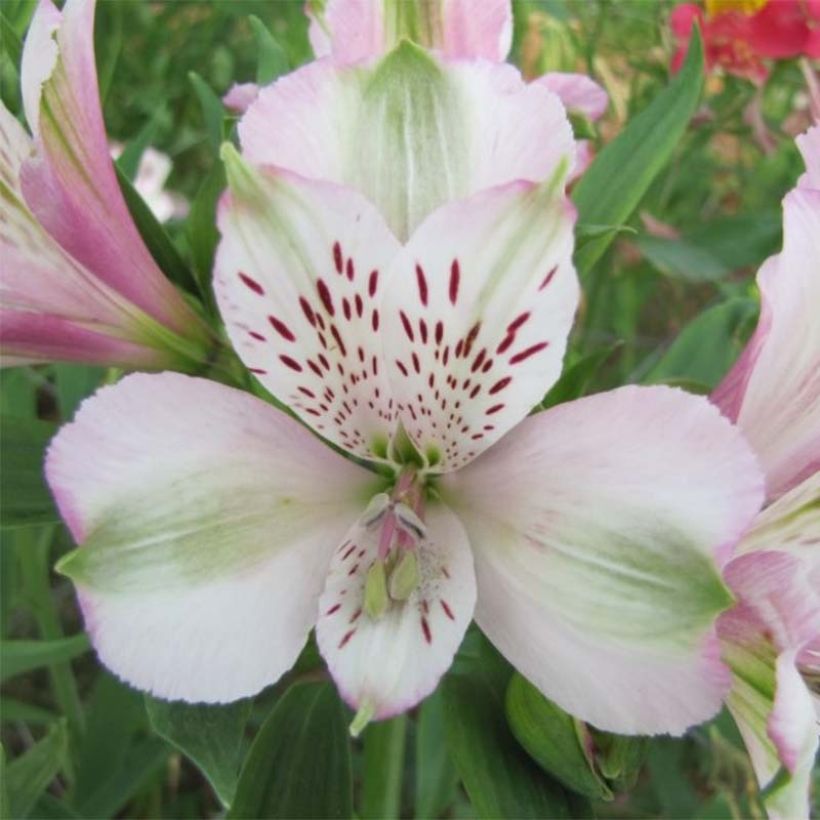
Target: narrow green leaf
x,y
211,736
17,710
11,42
498,775
576,377
27,777
613,186
5,808
299,764
141,762
707,347
554,739
383,769
24,497
682,259
436,776
17,657
272,62
155,237
213,111
202,234
73,383
129,160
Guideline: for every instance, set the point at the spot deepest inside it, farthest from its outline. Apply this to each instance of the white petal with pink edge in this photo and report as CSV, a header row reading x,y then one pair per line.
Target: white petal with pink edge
x,y
777,616
410,132
478,309
595,527
206,519
387,664
299,277
353,30
773,391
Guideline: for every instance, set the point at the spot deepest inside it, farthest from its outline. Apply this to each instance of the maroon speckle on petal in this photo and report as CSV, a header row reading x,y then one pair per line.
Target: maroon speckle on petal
x,y
548,278
291,363
346,638
422,283
408,329
337,256
334,608
307,310
281,328
351,271
447,611
324,295
494,409
252,283
530,351
500,385
425,628
455,276
373,282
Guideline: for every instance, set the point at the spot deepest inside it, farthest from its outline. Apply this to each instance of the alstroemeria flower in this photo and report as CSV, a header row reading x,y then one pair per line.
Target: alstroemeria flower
x,y
739,36
771,639
412,331
78,283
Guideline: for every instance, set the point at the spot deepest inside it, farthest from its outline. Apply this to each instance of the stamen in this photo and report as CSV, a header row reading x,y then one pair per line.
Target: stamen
x,y
408,521
376,509
405,577
362,718
375,591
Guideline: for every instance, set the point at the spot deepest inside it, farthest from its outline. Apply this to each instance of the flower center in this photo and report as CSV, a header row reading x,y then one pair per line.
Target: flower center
x,y
394,575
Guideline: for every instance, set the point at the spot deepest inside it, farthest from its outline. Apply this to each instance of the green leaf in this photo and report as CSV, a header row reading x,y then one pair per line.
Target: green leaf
x,y
557,741
73,383
576,378
12,44
213,111
16,710
201,230
436,777
272,62
211,736
23,492
616,181
383,769
129,161
682,259
498,775
619,758
156,239
299,764
708,346
27,777
17,657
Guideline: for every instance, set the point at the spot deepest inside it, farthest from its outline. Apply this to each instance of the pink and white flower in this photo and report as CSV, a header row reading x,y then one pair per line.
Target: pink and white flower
x,y
771,639
396,267
78,283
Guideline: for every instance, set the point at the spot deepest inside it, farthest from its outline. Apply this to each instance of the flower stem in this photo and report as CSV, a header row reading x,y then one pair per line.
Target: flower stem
x,y
383,766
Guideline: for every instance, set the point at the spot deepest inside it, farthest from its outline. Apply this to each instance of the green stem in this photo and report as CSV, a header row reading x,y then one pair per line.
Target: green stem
x,y
35,567
383,769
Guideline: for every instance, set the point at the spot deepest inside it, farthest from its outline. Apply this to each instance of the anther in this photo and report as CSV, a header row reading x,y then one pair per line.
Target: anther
x,y
376,509
375,591
408,521
405,577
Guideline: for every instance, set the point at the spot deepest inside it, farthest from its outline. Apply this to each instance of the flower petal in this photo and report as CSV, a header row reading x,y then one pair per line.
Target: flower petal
x,y
410,132
51,307
353,30
577,92
777,616
70,185
773,391
206,519
392,662
299,277
479,307
594,527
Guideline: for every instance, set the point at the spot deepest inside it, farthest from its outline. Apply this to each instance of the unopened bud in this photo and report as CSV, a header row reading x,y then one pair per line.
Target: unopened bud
x,y
405,577
375,591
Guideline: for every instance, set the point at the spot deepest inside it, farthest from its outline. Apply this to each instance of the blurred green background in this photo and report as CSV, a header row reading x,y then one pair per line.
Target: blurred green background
x,y
672,300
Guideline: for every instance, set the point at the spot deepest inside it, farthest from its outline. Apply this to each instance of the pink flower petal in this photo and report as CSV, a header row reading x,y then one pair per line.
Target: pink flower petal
x,y
595,527
204,532
355,30
773,391
70,184
477,314
299,277
410,133
578,93
240,96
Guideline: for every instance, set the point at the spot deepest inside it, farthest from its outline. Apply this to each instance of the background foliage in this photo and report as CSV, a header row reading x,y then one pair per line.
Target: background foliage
x,y
667,258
